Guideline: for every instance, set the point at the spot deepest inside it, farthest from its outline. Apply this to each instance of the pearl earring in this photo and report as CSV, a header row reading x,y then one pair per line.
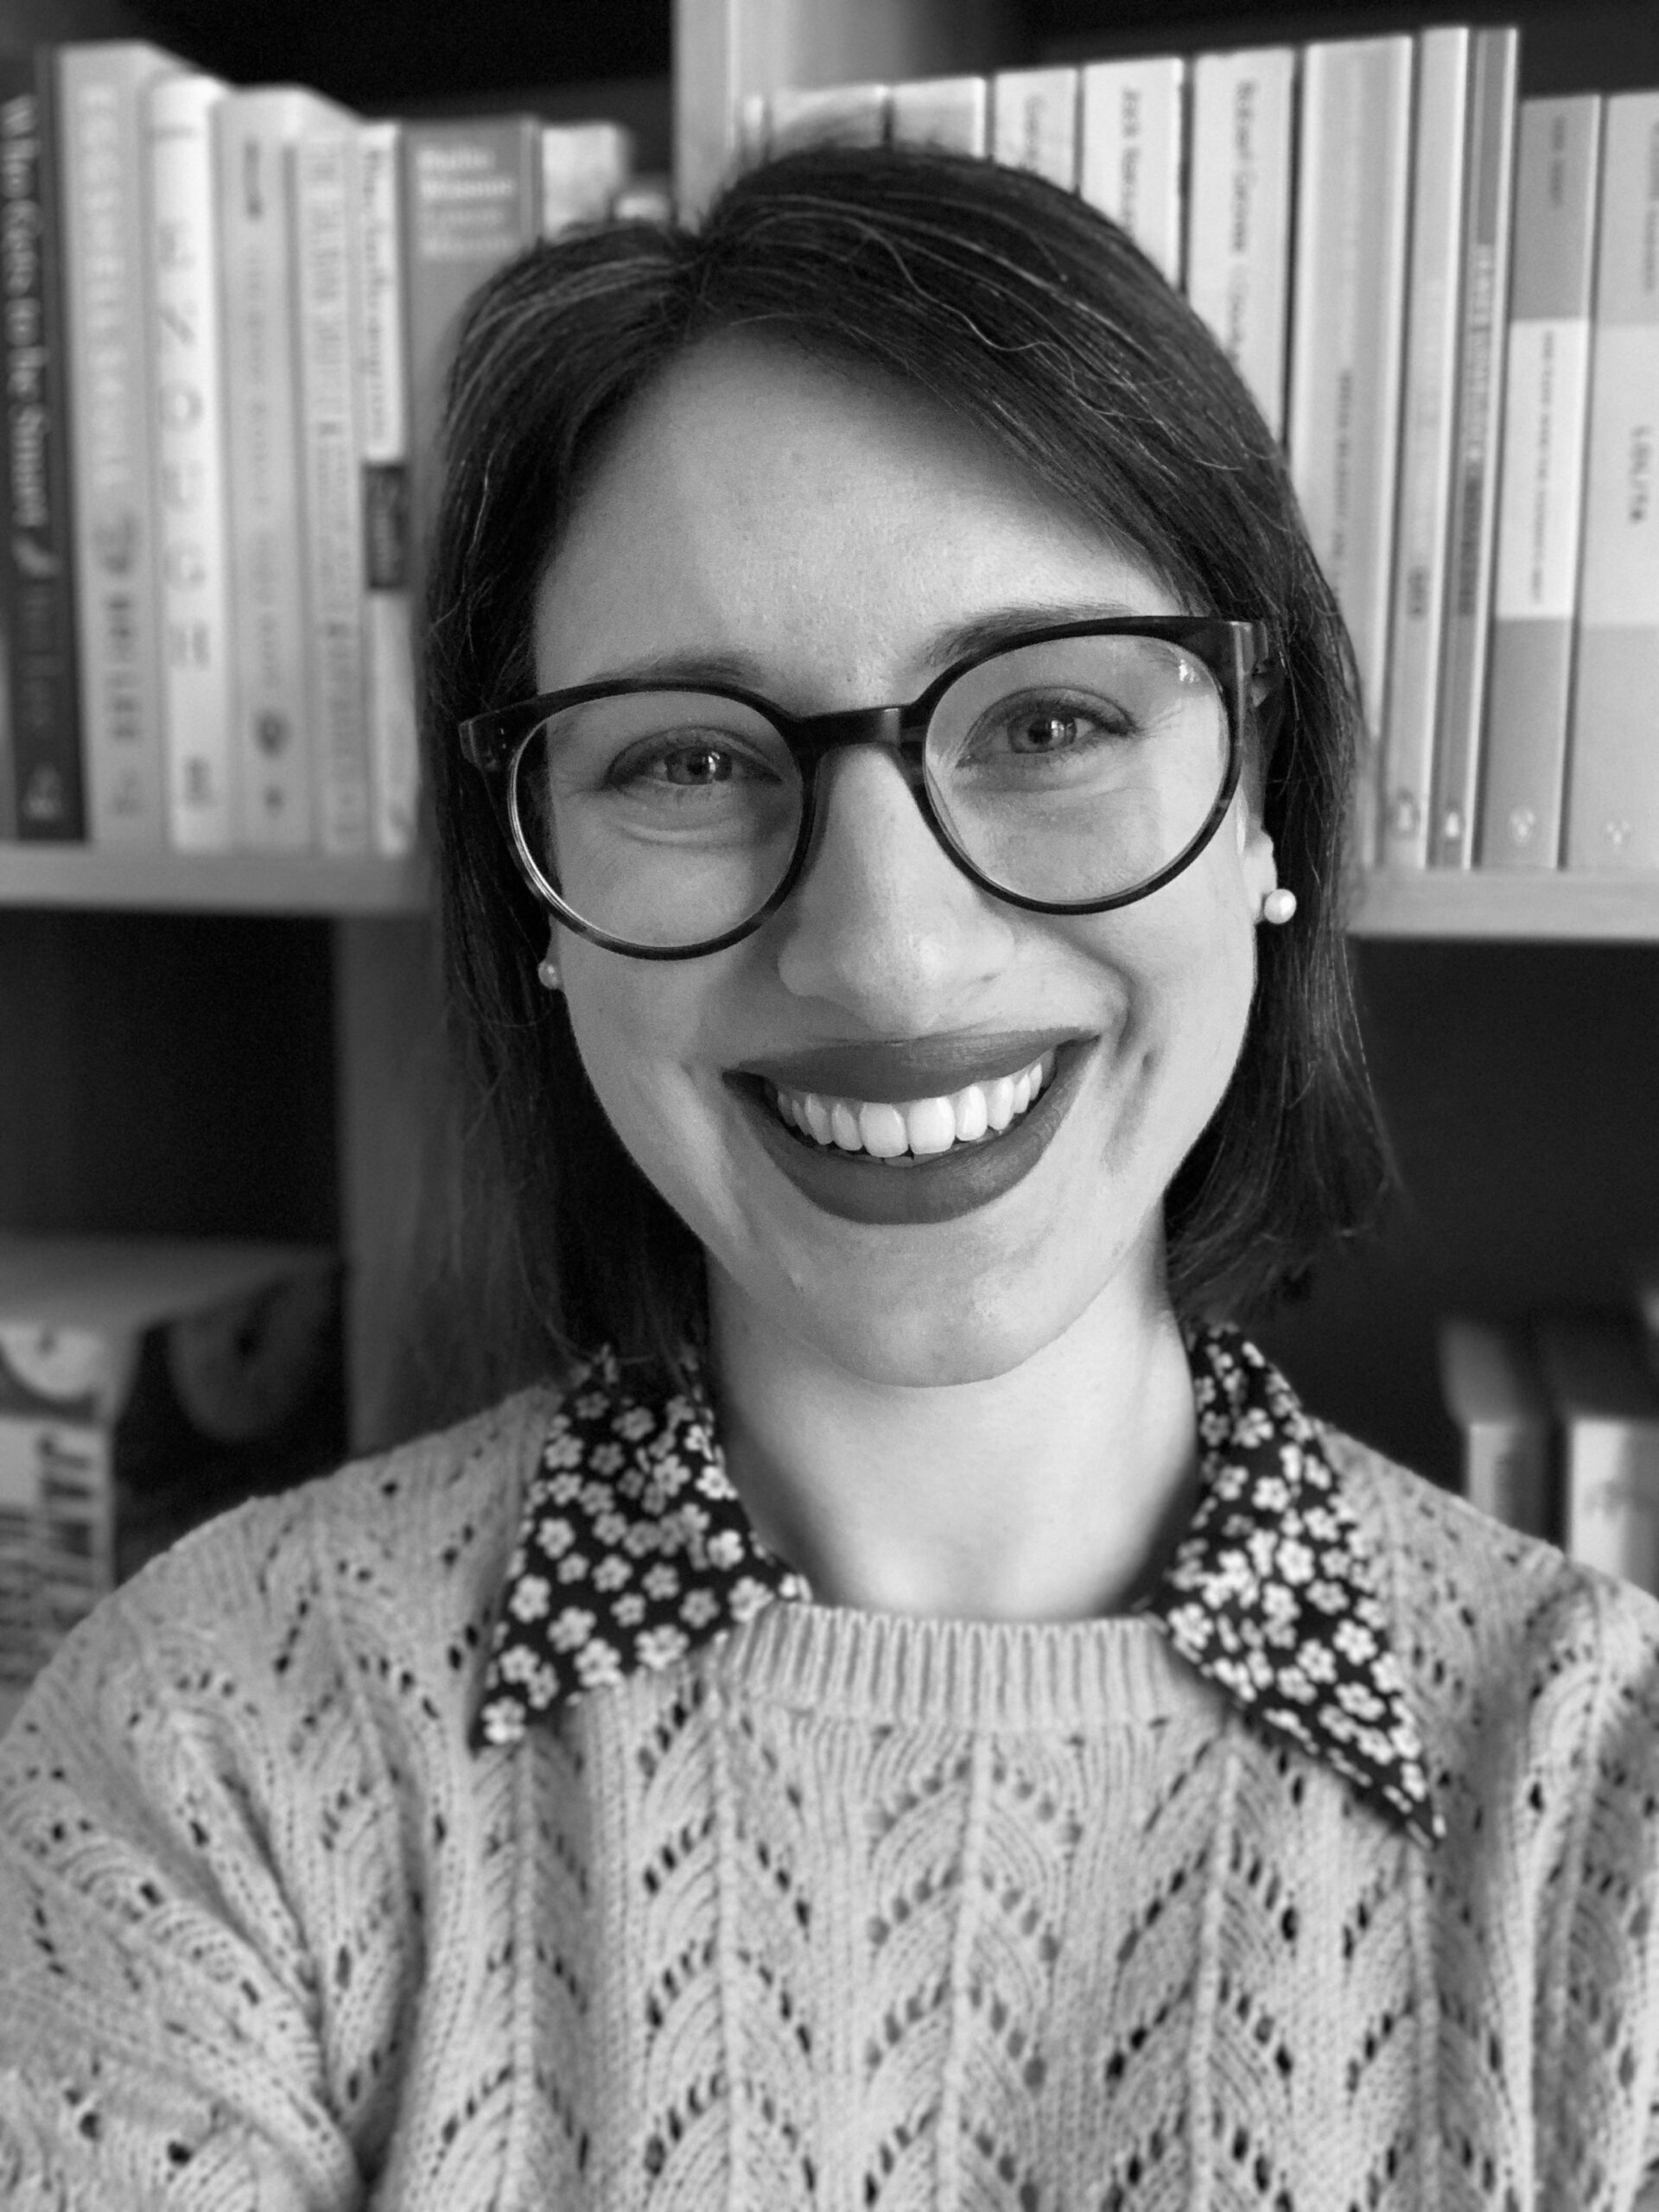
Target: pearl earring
x,y
1279,905
548,974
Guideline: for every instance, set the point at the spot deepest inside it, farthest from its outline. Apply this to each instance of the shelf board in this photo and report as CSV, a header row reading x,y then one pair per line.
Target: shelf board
x,y
1436,903
248,883
1508,904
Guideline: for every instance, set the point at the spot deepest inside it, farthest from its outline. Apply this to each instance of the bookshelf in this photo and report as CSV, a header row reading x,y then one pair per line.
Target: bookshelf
x,y
240,1044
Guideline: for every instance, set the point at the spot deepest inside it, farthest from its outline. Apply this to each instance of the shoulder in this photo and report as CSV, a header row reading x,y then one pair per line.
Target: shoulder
x,y
1524,1667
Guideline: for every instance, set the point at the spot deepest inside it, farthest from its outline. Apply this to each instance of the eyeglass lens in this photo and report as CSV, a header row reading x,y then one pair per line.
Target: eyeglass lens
x,y
1066,771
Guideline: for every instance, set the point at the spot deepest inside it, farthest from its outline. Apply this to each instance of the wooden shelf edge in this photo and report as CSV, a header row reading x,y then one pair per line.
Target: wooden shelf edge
x,y
241,882
1508,906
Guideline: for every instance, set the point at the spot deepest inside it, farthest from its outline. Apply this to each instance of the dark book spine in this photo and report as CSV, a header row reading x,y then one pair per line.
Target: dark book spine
x,y
36,577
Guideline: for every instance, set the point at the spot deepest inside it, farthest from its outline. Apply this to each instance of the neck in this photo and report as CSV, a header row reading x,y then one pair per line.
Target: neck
x,y
1051,1493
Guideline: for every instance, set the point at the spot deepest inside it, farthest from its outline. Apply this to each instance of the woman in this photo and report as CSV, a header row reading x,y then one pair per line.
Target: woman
x,y
924,1716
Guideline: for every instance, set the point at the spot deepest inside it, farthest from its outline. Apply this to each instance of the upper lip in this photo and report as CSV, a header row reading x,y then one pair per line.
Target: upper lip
x,y
916,1067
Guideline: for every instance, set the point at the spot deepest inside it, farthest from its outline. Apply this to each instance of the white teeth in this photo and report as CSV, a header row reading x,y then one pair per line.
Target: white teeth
x,y
919,1127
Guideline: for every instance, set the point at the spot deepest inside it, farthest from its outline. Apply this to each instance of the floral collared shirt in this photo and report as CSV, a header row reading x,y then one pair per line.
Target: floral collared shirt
x,y
634,1549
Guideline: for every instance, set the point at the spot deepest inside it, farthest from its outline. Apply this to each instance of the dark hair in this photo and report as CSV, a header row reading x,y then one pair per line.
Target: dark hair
x,y
1031,317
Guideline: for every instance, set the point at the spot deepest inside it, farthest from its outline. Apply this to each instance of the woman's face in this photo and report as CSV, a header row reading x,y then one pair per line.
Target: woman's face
x,y
824,539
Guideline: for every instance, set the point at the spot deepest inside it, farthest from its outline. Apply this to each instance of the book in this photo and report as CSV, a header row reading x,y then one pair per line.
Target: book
x,y
1541,486
952,113
1483,319
1238,212
472,201
37,567
1033,123
255,132
816,115
1612,780
382,393
1606,1406
191,459
1347,335
1423,509
1132,117
1494,1392
323,178
111,402
584,168
146,1383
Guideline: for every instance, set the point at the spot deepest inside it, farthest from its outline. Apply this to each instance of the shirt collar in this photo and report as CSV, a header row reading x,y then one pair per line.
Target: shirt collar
x,y
634,1549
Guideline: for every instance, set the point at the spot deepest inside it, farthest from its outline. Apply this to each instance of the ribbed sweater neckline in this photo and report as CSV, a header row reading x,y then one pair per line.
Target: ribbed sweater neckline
x,y
886,1669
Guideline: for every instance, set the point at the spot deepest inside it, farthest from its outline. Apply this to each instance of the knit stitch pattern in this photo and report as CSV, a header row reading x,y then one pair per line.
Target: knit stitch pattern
x,y
846,1912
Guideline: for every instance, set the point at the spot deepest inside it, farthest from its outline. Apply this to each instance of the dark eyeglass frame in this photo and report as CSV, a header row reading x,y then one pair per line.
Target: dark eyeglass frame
x,y
1238,654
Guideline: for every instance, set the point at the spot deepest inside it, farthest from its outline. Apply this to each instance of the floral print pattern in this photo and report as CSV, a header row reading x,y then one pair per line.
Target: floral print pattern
x,y
634,1550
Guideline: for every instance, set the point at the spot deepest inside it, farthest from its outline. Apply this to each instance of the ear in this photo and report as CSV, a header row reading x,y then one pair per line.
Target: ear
x,y
1257,866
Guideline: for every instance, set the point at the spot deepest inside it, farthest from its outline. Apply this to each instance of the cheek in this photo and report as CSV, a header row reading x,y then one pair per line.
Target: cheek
x,y
635,1027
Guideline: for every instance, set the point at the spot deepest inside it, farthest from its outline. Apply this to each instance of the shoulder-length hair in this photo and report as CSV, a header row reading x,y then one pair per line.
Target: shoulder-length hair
x,y
1031,318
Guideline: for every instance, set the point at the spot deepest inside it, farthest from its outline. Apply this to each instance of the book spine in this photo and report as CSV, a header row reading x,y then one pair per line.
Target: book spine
x,y
193,546
472,201
1034,123
272,745
1611,1485
106,320
324,182
1239,212
584,168
1423,510
1507,1473
389,638
1347,333
1540,492
57,1527
827,115
1482,324
1132,150
952,113
1613,808
39,586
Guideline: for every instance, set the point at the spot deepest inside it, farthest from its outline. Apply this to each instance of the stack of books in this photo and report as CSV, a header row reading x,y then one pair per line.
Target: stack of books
x,y
1446,302
227,314
1558,1418
146,1383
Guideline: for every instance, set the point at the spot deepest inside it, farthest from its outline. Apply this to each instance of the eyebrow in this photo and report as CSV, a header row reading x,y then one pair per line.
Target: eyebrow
x,y
957,641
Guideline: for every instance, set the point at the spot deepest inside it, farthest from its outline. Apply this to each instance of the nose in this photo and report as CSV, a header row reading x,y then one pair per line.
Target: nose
x,y
883,926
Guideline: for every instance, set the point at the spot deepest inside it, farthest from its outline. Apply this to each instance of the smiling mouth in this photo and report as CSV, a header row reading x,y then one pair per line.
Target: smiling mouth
x,y
900,1133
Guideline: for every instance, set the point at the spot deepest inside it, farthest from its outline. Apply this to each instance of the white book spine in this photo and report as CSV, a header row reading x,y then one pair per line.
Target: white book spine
x,y
1612,1497
1238,242
1612,812
190,456
1034,123
1417,617
840,115
1541,486
276,801
388,642
1132,150
1347,331
952,113
584,167
325,189
110,369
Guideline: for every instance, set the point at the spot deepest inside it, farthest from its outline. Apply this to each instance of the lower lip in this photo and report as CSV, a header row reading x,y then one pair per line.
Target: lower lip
x,y
859,1188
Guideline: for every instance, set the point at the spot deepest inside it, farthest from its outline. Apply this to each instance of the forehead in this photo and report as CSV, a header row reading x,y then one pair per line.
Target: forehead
x,y
759,506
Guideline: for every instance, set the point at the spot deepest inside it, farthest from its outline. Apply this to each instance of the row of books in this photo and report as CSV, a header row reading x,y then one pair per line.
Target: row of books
x,y
1445,302
1559,1424
225,316
145,1384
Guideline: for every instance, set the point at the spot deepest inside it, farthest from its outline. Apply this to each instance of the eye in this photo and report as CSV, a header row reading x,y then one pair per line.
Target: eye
x,y
1048,727
688,761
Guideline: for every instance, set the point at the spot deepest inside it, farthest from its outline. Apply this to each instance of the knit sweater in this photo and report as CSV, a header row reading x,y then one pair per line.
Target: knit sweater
x,y
843,1911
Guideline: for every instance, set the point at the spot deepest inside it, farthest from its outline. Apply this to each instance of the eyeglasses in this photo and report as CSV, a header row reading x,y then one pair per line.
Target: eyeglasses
x,y
1068,770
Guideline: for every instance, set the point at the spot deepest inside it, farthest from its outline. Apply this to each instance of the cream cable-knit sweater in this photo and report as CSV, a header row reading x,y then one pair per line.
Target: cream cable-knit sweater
x,y
848,1912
